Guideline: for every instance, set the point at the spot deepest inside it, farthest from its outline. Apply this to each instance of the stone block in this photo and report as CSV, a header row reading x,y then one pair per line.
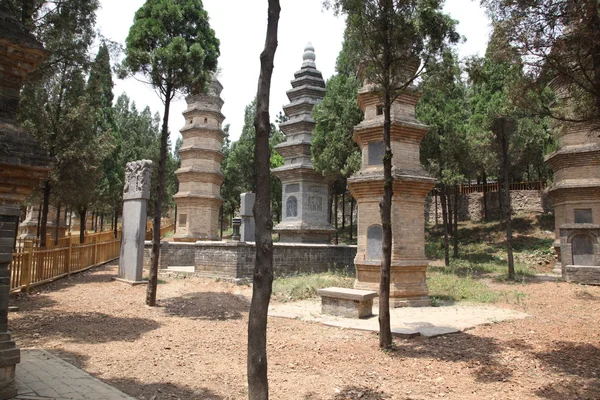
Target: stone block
x,y
348,303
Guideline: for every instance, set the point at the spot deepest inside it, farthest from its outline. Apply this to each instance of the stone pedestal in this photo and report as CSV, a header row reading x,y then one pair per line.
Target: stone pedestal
x,y
247,233
411,186
23,164
135,200
28,229
199,198
305,193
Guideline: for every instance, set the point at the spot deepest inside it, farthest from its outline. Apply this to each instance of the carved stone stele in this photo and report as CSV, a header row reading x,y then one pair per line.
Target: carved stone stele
x,y
137,180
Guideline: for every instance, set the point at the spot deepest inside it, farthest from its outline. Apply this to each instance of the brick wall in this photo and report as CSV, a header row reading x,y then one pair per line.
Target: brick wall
x,y
235,260
470,206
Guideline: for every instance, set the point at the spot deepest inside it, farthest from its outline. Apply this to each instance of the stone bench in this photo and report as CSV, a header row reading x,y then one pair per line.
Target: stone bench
x,y
349,303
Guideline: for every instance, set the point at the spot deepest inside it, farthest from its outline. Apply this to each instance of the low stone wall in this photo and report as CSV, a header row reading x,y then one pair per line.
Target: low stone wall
x,y
470,206
235,260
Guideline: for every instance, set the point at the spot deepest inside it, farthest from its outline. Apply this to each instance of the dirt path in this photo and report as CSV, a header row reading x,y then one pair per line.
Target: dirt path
x,y
194,345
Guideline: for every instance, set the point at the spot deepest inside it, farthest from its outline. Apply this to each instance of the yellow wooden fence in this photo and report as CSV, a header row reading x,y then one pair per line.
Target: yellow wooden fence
x,y
32,266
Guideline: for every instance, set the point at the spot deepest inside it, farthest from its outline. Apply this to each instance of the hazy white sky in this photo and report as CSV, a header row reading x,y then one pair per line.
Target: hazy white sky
x,y
240,25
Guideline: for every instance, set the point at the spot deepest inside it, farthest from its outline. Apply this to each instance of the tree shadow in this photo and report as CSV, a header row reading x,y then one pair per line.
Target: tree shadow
x,y
91,327
360,392
161,390
570,390
479,353
578,359
31,302
207,306
585,295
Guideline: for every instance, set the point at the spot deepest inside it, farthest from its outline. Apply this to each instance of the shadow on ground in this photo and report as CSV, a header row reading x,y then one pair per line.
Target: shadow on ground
x,y
360,392
214,306
161,390
482,355
91,327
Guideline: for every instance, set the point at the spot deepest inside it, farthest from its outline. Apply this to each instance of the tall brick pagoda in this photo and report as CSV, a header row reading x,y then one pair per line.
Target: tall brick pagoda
x,y
23,165
575,195
411,186
305,193
200,178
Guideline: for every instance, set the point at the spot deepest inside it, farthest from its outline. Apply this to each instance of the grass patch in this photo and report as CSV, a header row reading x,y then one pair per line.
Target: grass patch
x,y
446,286
305,286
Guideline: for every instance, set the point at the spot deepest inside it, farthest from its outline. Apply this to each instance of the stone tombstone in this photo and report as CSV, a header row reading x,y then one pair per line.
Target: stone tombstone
x,y
247,201
374,239
136,193
583,250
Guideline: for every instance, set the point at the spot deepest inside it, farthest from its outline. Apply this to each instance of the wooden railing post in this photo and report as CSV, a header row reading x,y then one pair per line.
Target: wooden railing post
x,y
69,253
27,265
95,254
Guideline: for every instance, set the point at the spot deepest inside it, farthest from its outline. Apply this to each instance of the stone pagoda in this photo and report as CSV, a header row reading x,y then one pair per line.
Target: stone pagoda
x,y
199,198
575,195
305,193
411,186
23,165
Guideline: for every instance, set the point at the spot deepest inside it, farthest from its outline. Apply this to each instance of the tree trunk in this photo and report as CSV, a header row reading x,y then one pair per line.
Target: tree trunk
x,y
82,217
39,219
445,225
505,128
485,204
455,230
262,278
56,228
102,222
435,195
116,220
351,218
160,185
343,209
335,219
45,206
449,212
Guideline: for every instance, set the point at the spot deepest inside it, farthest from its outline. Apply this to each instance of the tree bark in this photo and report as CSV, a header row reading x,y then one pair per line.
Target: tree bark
x,y
351,218
335,219
455,230
344,209
505,127
153,273
82,217
102,222
56,228
435,195
449,213
45,206
485,205
445,225
262,278
39,219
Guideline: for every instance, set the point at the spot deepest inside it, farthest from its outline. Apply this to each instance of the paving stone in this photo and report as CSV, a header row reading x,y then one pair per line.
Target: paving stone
x,y
41,375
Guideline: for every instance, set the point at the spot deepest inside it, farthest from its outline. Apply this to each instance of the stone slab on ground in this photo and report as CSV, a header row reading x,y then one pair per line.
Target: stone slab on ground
x,y
41,375
405,322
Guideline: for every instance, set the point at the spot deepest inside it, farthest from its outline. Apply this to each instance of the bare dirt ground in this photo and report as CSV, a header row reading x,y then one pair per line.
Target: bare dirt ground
x,y
194,345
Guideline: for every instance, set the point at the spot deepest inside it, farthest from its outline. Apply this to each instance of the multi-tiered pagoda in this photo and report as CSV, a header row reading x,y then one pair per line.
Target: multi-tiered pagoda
x,y
411,186
200,178
575,195
305,193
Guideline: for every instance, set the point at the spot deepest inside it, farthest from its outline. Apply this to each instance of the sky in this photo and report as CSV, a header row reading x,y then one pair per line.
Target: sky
x,y
240,26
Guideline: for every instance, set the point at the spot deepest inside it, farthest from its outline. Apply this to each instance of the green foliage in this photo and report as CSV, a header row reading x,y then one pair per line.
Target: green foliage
x,y
172,45
305,286
444,108
334,153
239,167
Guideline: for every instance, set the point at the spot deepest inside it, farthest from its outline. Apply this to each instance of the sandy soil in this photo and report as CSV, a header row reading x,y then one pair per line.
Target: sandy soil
x,y
194,345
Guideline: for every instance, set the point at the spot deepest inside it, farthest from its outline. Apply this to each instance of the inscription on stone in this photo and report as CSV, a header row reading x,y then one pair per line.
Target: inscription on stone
x,y
291,207
583,216
292,188
315,204
376,151
374,238
583,250
182,219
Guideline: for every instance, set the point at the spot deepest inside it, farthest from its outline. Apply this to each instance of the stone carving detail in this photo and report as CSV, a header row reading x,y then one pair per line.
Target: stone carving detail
x,y
292,188
583,250
291,207
137,180
315,204
374,238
